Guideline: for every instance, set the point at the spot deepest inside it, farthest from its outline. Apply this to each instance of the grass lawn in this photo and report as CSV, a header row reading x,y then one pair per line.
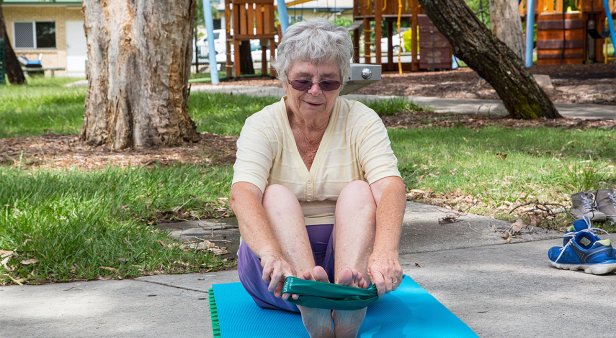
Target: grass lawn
x,y
68,224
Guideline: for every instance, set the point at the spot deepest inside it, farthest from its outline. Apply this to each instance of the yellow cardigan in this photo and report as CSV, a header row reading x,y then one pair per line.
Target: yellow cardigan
x,y
355,146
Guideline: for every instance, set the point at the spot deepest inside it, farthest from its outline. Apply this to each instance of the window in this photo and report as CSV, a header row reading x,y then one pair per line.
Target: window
x,y
35,34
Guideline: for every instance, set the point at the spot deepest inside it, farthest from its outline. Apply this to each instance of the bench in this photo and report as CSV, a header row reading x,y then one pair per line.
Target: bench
x,y
36,71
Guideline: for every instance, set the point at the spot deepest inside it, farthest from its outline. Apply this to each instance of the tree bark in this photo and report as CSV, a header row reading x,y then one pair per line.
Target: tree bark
x,y
139,58
507,25
13,68
491,59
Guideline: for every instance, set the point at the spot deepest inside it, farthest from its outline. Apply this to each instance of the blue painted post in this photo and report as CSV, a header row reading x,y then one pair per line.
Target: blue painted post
x,y
610,22
530,32
209,25
283,16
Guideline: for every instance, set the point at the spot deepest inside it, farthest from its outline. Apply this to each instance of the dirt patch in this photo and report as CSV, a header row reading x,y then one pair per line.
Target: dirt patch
x,y
66,151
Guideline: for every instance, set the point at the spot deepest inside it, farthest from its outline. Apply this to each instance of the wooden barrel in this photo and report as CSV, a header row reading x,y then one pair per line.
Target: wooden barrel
x,y
561,38
435,48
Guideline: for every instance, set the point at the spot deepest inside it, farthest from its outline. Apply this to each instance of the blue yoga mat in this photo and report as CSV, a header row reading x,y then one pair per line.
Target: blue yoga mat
x,y
409,311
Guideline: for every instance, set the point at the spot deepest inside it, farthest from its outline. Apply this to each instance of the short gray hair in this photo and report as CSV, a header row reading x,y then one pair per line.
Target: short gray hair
x,y
314,41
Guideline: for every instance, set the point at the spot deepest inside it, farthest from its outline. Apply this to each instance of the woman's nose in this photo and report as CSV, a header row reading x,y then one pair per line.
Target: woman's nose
x,y
315,89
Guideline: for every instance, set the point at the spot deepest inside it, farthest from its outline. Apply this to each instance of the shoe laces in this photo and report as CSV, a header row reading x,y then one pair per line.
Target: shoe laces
x,y
588,201
612,197
589,229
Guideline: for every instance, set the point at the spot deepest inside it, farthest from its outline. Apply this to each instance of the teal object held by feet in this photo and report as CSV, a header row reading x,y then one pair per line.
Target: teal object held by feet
x,y
323,295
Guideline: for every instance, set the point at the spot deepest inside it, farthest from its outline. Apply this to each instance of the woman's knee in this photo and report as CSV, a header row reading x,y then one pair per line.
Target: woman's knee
x,y
278,196
359,192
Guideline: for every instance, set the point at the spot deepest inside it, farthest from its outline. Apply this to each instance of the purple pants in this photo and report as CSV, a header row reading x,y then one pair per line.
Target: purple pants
x,y
250,269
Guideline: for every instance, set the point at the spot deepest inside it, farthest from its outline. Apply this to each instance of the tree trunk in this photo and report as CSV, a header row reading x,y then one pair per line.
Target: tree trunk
x,y
491,59
139,57
13,68
507,25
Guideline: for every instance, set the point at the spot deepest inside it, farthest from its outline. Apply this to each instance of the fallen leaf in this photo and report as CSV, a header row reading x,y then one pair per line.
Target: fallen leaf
x,y
518,226
6,253
5,264
29,261
506,235
18,281
448,219
108,268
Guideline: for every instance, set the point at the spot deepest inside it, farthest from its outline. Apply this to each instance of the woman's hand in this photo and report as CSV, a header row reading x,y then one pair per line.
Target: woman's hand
x,y
275,270
385,271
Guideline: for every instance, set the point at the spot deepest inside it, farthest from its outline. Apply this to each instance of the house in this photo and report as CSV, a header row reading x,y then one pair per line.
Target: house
x,y
48,30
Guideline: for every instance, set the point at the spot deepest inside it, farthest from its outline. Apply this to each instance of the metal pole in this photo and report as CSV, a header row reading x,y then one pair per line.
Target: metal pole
x,y
283,16
530,32
209,25
610,22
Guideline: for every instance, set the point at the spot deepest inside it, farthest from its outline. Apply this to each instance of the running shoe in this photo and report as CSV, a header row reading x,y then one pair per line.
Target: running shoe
x,y
584,251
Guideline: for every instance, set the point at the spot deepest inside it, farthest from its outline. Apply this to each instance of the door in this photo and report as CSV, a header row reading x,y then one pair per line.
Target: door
x,y
76,50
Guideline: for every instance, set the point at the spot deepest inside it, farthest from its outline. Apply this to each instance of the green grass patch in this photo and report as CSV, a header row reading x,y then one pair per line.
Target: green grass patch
x,y
86,225
43,106
502,167
222,113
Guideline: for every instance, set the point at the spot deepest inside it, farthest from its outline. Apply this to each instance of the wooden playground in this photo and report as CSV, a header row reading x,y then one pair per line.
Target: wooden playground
x,y
568,32
571,32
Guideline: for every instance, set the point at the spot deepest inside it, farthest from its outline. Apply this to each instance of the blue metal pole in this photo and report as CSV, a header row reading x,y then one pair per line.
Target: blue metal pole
x,y
209,25
530,32
610,22
283,16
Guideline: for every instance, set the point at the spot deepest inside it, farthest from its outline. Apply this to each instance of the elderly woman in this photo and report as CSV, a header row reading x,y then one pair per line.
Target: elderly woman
x,y
316,188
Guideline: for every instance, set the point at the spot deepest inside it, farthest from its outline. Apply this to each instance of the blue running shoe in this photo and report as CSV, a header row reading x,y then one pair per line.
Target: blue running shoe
x,y
584,251
582,224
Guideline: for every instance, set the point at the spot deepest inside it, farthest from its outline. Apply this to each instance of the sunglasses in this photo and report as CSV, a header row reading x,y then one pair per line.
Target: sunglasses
x,y
305,85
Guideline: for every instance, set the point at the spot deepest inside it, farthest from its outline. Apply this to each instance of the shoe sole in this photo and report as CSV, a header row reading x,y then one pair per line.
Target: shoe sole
x,y
595,269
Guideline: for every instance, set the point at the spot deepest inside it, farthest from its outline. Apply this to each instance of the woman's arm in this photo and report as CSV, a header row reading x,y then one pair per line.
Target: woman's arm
x,y
246,202
383,265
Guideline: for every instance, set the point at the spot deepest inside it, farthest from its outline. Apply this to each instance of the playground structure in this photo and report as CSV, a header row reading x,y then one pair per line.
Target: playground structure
x,y
436,52
571,32
246,20
568,32
254,19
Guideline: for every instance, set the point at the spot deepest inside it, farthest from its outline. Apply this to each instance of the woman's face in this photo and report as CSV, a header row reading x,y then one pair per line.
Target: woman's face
x,y
313,102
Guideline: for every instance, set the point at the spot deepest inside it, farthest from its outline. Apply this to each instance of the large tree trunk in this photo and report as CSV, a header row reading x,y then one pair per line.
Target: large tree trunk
x,y
13,68
139,57
490,58
507,25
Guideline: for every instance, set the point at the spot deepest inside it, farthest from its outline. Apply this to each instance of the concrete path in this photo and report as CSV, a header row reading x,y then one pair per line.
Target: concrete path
x,y
439,105
498,289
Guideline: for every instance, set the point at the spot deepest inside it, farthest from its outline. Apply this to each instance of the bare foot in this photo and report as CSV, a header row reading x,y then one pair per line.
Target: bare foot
x,y
318,322
347,322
